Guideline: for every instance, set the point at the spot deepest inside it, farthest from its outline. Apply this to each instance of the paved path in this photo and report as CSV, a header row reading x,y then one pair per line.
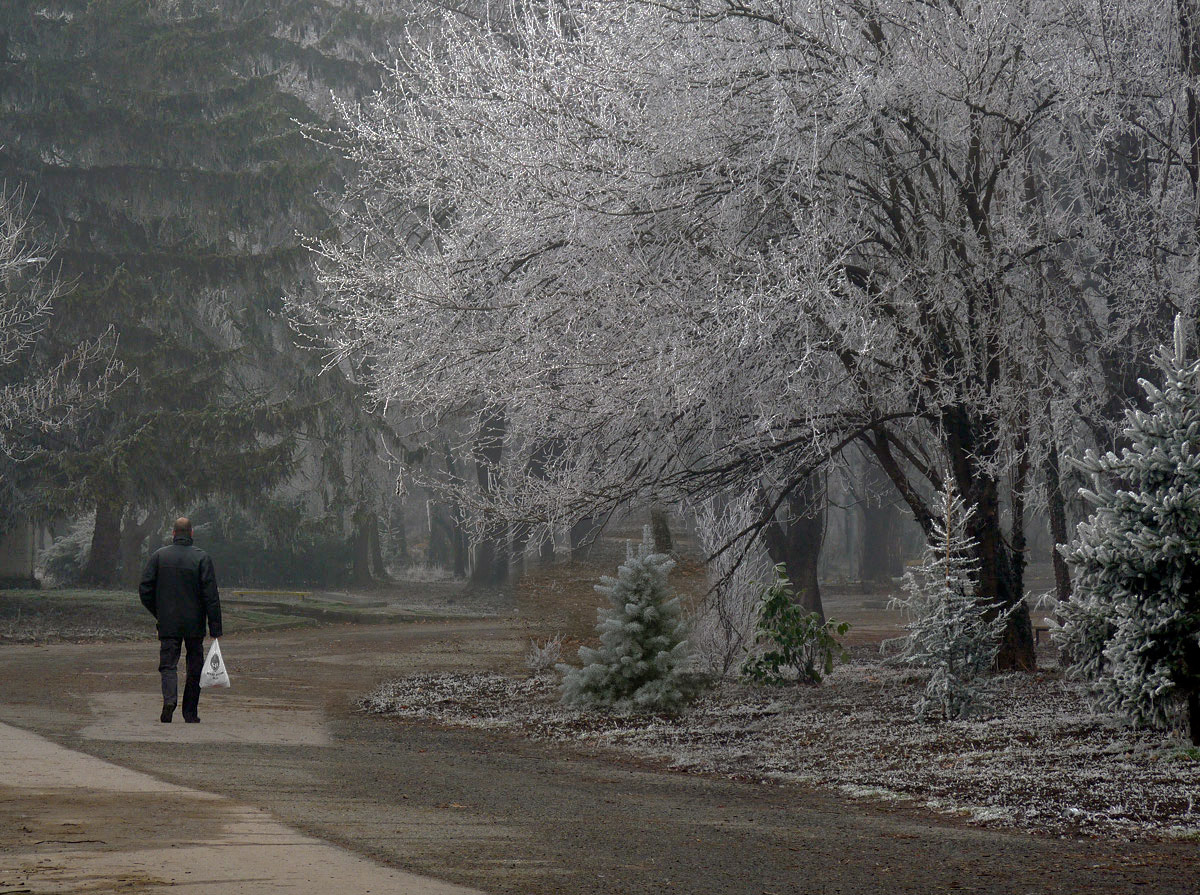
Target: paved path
x,y
293,759
74,823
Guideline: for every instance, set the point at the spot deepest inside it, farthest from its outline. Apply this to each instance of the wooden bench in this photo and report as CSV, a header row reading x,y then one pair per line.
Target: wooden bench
x,y
1038,630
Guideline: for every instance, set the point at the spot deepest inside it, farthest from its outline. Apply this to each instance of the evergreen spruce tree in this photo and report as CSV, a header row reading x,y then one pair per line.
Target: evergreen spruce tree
x,y
640,664
158,141
1133,621
949,630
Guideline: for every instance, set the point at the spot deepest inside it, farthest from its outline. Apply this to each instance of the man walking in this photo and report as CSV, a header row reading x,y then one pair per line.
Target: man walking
x,y
179,587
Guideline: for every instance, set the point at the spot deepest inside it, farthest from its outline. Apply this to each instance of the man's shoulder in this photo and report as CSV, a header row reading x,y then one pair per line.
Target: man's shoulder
x,y
181,551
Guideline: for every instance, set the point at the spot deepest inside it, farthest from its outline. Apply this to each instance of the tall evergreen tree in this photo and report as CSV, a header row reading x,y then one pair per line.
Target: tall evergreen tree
x,y
161,141
1133,621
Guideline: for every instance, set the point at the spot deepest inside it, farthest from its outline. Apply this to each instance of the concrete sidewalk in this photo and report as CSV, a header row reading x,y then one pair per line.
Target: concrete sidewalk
x,y
73,823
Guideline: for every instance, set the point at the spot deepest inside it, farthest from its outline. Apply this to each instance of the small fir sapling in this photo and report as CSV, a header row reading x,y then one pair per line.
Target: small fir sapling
x,y
949,630
797,646
1132,623
641,662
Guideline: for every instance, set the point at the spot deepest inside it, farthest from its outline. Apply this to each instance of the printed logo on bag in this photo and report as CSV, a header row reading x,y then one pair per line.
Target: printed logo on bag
x,y
215,662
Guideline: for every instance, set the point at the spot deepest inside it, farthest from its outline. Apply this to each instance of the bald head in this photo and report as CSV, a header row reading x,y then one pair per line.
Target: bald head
x,y
183,527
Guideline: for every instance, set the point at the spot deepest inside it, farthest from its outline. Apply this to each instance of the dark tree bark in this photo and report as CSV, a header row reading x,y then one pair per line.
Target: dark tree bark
x,y
794,537
133,537
539,458
1056,505
398,533
104,557
582,535
378,569
1020,482
1000,580
660,529
360,548
455,527
447,543
881,553
546,550
437,552
492,559
1000,576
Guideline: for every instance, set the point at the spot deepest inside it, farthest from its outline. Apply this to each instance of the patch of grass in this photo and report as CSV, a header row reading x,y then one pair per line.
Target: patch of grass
x,y
79,614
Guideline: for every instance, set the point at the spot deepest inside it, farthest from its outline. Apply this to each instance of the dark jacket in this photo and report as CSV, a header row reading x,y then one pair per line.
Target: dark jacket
x,y
179,587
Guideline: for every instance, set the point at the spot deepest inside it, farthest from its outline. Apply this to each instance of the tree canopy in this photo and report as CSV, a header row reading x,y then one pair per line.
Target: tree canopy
x,y
701,248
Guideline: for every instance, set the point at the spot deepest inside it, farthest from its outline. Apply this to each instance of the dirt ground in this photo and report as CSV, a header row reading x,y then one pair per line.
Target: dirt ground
x,y
488,810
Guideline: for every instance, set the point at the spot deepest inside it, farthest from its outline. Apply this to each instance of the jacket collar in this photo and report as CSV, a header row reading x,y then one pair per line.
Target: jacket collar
x,y
184,542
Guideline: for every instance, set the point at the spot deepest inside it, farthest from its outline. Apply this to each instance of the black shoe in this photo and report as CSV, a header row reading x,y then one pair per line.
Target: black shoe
x,y
167,712
192,719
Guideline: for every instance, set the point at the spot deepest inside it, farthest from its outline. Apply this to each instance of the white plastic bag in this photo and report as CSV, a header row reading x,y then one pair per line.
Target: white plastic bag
x,y
214,673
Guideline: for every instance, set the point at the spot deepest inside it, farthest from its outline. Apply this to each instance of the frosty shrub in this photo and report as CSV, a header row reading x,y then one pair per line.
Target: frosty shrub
x,y
722,626
640,664
797,646
1132,623
543,657
64,560
949,630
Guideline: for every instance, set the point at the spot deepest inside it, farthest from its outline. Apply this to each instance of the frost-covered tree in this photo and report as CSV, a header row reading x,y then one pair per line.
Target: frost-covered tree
x,y
1133,621
703,247
25,300
950,630
722,625
42,396
641,662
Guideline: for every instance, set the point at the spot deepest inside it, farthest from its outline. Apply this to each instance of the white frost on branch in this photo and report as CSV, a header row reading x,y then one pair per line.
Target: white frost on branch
x,y
38,400
690,249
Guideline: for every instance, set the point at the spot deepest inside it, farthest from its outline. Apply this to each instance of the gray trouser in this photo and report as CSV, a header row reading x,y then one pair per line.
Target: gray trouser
x,y
168,667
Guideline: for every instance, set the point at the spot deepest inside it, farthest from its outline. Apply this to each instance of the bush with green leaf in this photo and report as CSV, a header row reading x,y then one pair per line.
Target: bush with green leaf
x,y
796,646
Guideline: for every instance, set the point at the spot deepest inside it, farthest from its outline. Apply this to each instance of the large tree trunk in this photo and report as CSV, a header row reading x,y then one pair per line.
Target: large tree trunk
x,y
539,458
582,536
133,537
1016,502
881,554
546,549
492,560
398,534
1000,584
105,556
360,548
660,529
1000,576
1193,702
793,539
447,543
378,569
455,527
1058,521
